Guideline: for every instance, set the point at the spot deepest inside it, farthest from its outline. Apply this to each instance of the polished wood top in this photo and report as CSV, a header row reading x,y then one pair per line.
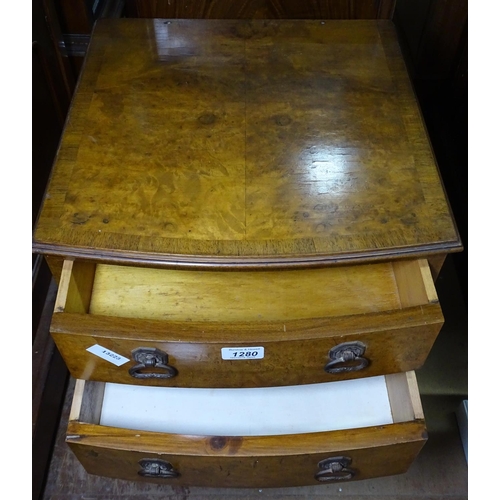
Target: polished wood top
x,y
195,142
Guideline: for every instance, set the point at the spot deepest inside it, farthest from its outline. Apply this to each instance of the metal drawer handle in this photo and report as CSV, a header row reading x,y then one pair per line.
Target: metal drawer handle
x,y
152,467
150,358
347,357
334,469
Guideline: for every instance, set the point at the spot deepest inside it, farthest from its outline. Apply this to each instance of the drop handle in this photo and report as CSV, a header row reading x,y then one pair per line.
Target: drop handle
x,y
347,357
334,469
151,467
151,363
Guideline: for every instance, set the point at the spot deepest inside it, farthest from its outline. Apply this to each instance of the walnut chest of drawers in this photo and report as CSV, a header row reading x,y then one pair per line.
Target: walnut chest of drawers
x,y
245,220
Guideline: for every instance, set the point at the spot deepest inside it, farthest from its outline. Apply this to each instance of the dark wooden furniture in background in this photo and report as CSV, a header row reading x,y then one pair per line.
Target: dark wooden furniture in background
x,y
434,36
53,85
77,18
260,9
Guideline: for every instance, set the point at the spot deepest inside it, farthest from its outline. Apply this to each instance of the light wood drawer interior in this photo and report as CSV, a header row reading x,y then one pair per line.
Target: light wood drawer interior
x,y
245,296
376,423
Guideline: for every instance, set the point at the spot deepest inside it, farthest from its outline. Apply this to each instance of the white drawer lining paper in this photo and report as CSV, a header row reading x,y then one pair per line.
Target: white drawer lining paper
x,y
248,412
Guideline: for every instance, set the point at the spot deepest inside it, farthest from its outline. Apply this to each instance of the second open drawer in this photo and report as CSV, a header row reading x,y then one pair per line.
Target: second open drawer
x,y
183,328
265,437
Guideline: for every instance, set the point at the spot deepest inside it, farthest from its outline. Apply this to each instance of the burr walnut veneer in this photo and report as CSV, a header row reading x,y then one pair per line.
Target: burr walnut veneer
x,y
246,206
296,317
372,445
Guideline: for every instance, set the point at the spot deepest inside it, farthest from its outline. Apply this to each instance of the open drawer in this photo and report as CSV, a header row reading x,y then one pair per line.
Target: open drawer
x,y
265,437
183,328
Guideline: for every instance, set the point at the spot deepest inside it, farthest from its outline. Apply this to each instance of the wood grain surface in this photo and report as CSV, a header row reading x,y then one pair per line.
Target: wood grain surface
x,y
396,341
261,9
439,471
194,142
284,295
248,461
295,316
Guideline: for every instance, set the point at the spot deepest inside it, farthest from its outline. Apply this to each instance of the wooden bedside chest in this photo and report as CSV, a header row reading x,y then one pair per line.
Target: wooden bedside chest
x,y
245,219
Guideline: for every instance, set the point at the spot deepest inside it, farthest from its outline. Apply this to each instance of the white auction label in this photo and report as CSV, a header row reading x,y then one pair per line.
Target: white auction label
x,y
242,352
108,355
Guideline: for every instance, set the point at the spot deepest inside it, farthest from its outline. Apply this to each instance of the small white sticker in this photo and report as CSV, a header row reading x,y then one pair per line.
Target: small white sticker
x,y
108,355
242,352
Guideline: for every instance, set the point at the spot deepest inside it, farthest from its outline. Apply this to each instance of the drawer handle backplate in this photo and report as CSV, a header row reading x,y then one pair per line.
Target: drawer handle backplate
x,y
152,467
149,358
334,469
347,357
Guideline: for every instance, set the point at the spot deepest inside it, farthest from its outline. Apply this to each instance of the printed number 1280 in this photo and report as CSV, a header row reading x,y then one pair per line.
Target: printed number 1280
x,y
242,352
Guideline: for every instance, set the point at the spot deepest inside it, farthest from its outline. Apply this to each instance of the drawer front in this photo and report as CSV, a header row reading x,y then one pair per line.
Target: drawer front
x,y
269,461
379,345
362,322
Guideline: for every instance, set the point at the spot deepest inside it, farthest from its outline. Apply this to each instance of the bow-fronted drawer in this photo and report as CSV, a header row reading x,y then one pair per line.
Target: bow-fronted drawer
x,y
261,437
184,328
